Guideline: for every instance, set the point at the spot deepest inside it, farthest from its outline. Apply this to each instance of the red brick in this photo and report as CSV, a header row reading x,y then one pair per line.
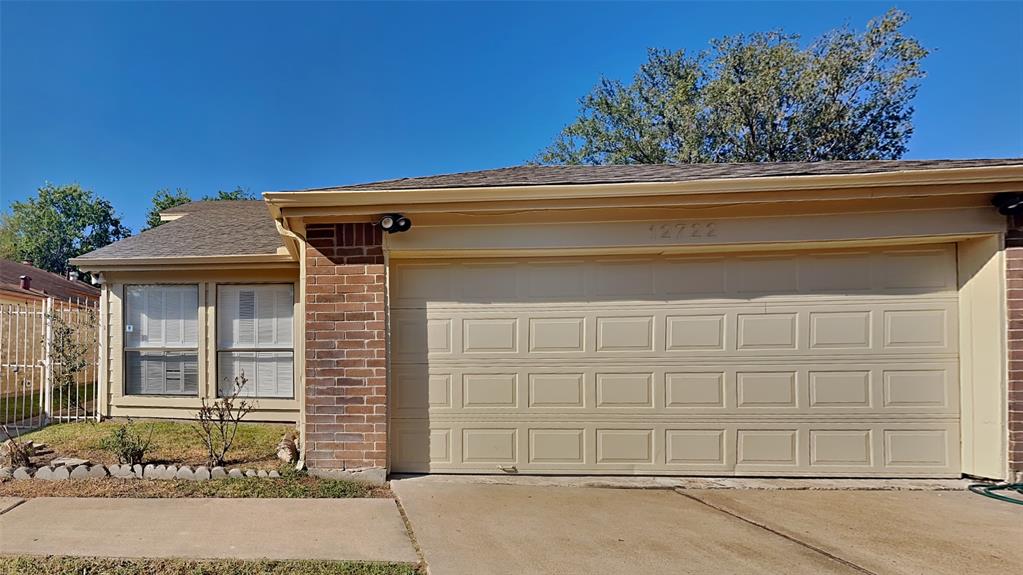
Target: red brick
x,y
345,387
1014,296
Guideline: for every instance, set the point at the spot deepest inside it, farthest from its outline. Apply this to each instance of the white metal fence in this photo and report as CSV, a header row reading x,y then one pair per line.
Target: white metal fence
x,y
49,352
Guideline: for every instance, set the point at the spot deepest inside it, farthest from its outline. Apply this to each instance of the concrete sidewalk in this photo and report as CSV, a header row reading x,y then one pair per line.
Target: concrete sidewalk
x,y
332,529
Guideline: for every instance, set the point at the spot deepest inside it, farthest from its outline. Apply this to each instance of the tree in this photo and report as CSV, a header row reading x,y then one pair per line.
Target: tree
x,y
757,98
60,223
163,200
239,193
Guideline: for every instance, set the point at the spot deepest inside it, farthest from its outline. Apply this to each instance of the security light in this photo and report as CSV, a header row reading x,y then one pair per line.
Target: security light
x,y
394,223
1008,203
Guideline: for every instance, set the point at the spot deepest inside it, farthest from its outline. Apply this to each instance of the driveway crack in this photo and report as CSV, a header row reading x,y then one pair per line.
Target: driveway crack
x,y
799,542
411,535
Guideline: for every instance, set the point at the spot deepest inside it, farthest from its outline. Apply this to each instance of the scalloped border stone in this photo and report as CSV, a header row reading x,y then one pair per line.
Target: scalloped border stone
x,y
375,476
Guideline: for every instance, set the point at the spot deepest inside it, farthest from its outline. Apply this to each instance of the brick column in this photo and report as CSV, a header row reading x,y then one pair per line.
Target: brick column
x,y
1014,285
346,378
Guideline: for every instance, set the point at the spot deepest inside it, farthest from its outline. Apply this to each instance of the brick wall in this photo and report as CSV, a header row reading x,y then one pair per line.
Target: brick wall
x,y
346,383
1014,284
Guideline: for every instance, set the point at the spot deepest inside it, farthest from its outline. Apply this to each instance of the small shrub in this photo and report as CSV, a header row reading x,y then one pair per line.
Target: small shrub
x,y
128,444
217,422
16,453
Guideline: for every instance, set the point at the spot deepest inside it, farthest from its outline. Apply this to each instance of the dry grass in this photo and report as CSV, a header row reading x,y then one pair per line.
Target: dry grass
x,y
174,442
295,485
30,565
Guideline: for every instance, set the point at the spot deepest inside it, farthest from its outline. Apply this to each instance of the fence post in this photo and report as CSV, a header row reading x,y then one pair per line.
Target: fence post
x,y
47,361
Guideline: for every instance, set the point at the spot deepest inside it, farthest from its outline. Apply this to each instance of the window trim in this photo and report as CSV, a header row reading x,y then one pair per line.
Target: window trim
x,y
126,349
214,338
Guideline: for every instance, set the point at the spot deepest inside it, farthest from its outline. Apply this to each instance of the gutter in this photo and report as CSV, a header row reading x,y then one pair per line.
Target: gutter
x,y
360,197
104,264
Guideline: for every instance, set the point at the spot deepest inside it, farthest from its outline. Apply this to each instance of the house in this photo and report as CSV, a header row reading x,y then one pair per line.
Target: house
x,y
853,318
21,282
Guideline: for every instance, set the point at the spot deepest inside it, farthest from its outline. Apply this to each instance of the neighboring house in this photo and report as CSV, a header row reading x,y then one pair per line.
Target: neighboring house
x,y
21,283
792,319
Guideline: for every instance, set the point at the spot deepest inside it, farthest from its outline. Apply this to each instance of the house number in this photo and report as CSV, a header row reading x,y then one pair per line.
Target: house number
x,y
683,230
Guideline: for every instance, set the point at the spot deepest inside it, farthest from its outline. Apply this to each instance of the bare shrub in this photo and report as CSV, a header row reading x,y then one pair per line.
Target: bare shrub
x,y
16,452
217,422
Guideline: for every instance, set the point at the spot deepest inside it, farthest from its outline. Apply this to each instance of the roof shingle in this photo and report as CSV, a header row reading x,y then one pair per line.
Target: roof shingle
x,y
636,173
208,228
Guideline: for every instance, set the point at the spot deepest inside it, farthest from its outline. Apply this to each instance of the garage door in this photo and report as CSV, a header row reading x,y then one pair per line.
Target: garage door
x,y
838,363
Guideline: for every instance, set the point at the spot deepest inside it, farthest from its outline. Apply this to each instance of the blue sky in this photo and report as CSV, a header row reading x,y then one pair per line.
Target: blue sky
x,y
128,98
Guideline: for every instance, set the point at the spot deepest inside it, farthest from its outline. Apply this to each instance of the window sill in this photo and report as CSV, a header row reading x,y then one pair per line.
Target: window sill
x,y
192,401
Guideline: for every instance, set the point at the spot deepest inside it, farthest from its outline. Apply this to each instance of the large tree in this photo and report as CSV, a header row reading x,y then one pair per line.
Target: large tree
x,y
756,98
166,199
59,223
239,193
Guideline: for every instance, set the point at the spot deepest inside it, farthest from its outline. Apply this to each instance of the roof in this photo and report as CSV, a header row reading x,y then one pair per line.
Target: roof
x,y
43,283
637,173
208,228
246,227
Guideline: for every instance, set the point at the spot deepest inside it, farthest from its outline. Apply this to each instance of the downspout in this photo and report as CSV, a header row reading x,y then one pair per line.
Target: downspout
x,y
296,245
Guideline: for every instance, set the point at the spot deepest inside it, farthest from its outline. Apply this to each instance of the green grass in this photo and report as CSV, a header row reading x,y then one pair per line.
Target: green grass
x,y
293,485
174,442
14,408
30,565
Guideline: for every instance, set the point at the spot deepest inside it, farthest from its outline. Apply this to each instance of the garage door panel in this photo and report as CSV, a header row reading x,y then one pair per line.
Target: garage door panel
x,y
820,363
904,271
850,449
762,389
888,327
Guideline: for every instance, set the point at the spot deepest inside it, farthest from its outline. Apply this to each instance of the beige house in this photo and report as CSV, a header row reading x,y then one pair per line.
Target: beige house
x,y
829,319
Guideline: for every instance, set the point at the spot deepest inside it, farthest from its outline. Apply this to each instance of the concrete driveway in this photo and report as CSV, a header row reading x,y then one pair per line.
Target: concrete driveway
x,y
464,527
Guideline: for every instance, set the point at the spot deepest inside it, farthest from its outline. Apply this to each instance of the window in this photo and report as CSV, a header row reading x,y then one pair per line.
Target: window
x,y
254,337
161,340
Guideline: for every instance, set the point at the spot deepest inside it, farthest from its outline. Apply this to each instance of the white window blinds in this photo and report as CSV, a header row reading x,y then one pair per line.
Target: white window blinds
x,y
162,373
255,317
268,373
162,316
254,338
161,335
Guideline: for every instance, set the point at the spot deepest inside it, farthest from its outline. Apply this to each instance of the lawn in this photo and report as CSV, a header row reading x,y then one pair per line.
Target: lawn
x,y
292,485
29,565
174,442
18,407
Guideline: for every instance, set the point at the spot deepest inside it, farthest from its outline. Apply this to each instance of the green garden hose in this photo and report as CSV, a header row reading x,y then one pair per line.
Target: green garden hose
x,y
989,489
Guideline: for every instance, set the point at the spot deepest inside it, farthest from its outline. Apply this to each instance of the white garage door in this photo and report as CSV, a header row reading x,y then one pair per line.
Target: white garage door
x,y
798,363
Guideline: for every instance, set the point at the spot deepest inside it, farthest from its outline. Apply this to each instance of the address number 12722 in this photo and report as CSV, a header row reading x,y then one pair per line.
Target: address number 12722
x,y
683,230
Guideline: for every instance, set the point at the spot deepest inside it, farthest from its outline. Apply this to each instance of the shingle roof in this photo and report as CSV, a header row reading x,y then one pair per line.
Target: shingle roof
x,y
244,227
635,173
44,282
208,228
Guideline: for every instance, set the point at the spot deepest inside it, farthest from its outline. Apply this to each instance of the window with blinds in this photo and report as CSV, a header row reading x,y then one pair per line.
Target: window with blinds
x,y
254,338
161,340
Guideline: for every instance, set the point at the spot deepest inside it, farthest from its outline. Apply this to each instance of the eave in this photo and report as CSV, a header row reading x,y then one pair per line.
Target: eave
x,y
187,262
908,182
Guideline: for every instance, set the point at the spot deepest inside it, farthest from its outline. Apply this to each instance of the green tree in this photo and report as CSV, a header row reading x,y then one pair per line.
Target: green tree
x,y
166,199
756,98
60,223
163,200
239,193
